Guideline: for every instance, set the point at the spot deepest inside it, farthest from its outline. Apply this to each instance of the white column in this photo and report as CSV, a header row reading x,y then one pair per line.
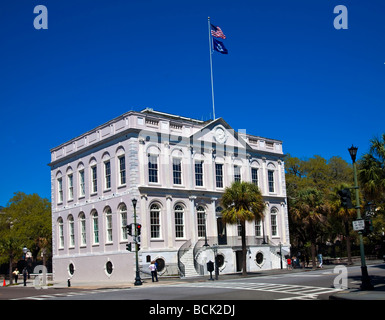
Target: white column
x,y
212,220
145,222
193,220
169,216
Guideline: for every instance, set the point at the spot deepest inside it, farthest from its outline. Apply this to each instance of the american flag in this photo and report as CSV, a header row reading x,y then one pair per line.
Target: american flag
x,y
217,32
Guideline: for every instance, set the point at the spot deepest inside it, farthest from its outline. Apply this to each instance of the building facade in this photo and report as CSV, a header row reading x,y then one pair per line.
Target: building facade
x,y
177,168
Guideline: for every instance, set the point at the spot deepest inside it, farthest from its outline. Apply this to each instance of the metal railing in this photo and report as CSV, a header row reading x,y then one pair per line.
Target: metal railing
x,y
182,250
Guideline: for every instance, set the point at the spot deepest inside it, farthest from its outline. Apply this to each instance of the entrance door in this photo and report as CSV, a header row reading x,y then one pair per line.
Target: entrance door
x,y
238,255
222,237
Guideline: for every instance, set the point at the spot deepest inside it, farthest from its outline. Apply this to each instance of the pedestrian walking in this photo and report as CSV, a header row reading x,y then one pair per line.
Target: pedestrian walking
x,y
289,266
153,269
16,273
307,260
25,275
320,260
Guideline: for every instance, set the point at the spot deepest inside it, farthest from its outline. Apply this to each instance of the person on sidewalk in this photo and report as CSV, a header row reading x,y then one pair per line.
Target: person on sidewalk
x,y
289,267
154,274
320,260
16,274
25,275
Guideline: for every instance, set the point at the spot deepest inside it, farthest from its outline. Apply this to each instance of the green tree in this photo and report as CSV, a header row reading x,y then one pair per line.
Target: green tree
x,y
343,215
26,221
371,171
309,213
371,175
242,202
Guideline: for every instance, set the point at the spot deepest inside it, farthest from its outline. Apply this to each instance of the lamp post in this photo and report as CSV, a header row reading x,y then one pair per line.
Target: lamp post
x,y
206,244
216,268
366,284
138,281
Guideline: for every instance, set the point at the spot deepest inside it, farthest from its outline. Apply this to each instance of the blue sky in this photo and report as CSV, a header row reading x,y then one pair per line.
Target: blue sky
x,y
289,75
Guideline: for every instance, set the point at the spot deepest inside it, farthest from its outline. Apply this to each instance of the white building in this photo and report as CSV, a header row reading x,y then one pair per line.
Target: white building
x,y
177,169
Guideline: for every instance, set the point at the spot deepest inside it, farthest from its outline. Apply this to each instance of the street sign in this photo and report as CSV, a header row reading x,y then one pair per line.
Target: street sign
x,y
359,225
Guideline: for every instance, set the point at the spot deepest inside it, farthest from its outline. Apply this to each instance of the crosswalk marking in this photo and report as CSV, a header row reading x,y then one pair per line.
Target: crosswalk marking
x,y
65,294
299,292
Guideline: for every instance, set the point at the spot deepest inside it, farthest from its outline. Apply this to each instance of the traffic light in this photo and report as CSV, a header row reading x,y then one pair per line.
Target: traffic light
x,y
368,226
129,229
138,246
346,199
138,229
128,246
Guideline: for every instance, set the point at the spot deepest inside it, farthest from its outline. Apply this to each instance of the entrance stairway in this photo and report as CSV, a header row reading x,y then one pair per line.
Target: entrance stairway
x,y
188,261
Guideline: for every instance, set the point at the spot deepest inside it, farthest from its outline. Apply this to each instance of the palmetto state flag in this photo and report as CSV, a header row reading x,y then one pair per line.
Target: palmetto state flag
x,y
219,46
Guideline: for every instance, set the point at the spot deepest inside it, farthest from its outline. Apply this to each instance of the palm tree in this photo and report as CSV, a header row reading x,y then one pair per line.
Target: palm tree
x,y
343,214
371,171
242,202
309,210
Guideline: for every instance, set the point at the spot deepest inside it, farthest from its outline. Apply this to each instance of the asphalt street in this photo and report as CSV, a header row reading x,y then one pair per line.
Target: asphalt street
x,y
297,285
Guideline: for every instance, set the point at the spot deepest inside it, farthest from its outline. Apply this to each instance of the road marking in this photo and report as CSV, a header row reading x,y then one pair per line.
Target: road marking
x,y
299,292
65,294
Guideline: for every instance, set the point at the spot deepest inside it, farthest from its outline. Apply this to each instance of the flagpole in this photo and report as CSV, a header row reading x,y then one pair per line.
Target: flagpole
x,y
211,69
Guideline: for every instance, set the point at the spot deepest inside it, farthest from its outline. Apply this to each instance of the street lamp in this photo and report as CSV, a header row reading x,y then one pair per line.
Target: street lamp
x,y
138,281
366,284
216,267
206,244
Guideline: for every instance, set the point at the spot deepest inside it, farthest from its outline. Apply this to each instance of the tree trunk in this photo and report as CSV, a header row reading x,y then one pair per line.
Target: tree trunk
x,y
10,268
313,255
244,249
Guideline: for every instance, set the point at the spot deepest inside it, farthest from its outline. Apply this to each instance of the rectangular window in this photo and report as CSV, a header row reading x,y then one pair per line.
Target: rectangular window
x,y
94,181
82,189
70,186
107,172
177,170
271,180
254,176
152,168
219,175
237,174
122,170
258,232
199,173
239,229
60,190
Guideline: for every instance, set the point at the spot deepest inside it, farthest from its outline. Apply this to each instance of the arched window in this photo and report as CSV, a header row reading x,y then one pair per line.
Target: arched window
x,y
155,221
179,221
123,221
71,230
95,227
201,221
82,226
108,214
274,222
60,232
